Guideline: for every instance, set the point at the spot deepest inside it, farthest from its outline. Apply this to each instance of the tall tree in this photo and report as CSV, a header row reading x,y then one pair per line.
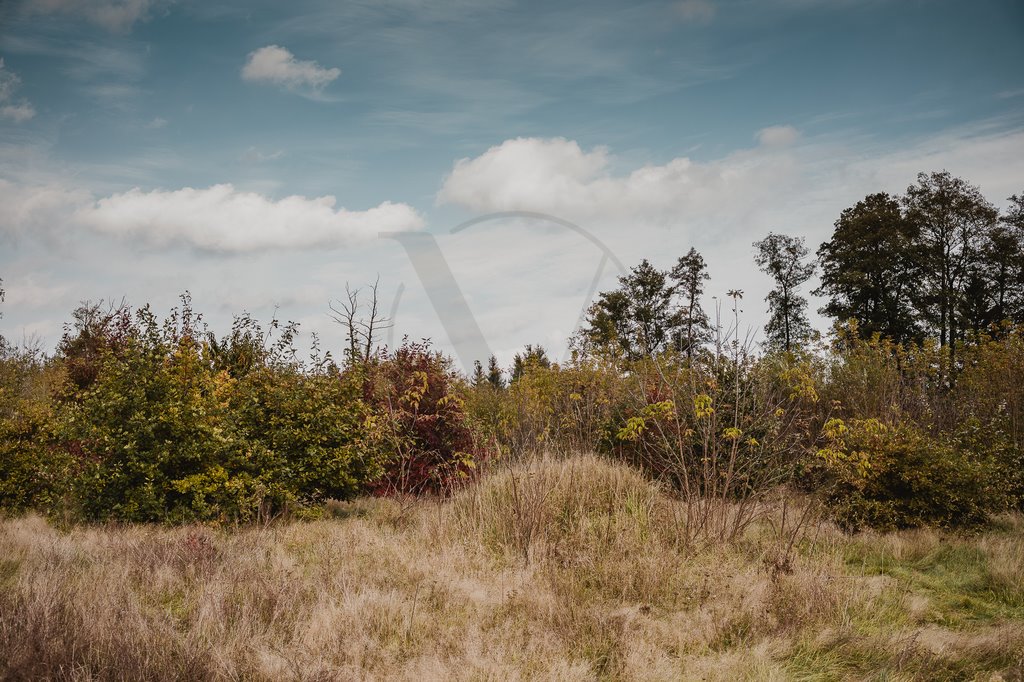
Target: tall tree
x,y
479,378
1004,263
783,258
494,374
693,325
638,316
867,269
951,219
532,356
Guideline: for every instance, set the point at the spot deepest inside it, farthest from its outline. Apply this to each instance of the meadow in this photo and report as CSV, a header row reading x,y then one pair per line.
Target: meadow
x,y
567,568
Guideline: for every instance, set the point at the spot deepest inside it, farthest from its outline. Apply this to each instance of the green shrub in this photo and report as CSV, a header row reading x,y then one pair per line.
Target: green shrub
x,y
309,436
34,473
895,476
168,434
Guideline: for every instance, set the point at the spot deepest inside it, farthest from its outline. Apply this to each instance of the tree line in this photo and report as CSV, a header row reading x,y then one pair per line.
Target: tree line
x,y
939,262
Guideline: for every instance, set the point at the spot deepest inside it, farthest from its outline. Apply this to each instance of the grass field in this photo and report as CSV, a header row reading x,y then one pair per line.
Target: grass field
x,y
568,569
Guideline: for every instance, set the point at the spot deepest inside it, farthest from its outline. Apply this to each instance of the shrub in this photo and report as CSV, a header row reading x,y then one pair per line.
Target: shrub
x,y
891,476
422,424
310,436
169,434
724,430
33,472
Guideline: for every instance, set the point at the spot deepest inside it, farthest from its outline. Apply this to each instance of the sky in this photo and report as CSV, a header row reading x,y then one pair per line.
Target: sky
x,y
492,163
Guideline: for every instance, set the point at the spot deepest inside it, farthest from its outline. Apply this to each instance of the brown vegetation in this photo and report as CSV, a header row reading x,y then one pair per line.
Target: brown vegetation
x,y
552,569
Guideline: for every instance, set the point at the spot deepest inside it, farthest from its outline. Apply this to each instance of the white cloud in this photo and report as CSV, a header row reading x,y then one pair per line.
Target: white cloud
x,y
223,219
19,111
557,176
37,209
157,123
113,15
777,136
696,11
275,64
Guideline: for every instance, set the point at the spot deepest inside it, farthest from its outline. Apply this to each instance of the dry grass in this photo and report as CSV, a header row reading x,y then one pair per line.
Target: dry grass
x,y
566,570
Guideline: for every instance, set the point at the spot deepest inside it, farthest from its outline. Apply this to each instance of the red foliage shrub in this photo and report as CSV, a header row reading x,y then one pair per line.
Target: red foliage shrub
x,y
422,421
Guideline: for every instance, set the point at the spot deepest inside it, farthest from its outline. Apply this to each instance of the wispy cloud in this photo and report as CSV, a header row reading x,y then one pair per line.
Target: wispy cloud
x,y
695,11
254,155
777,136
18,111
278,66
113,15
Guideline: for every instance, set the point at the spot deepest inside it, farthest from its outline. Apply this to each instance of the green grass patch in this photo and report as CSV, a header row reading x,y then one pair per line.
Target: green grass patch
x,y
955,578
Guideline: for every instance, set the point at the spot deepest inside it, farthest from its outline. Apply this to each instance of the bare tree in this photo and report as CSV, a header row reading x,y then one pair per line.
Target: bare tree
x,y
360,332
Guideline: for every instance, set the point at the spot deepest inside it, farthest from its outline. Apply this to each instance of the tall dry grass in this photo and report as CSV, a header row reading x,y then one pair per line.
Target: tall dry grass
x,y
553,569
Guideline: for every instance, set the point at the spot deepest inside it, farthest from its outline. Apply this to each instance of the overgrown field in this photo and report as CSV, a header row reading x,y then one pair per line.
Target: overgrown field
x,y
552,569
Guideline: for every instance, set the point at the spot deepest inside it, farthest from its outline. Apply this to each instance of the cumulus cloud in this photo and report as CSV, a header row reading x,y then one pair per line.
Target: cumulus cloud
x,y
557,176
695,11
226,220
19,111
775,185
113,15
275,64
777,136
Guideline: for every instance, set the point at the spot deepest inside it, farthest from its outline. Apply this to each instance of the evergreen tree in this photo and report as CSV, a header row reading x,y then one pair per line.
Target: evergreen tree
x,y
782,257
479,378
693,325
532,356
867,270
494,374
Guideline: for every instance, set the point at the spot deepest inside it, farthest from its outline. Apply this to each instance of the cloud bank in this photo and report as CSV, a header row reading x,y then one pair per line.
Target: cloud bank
x,y
785,182
276,65
219,219
224,219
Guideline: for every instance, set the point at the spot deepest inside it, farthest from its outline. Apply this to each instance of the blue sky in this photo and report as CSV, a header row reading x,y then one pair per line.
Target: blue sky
x,y
251,152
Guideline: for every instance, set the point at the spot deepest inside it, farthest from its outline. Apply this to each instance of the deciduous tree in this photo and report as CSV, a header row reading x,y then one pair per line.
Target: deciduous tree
x,y
951,220
693,325
867,272
783,258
